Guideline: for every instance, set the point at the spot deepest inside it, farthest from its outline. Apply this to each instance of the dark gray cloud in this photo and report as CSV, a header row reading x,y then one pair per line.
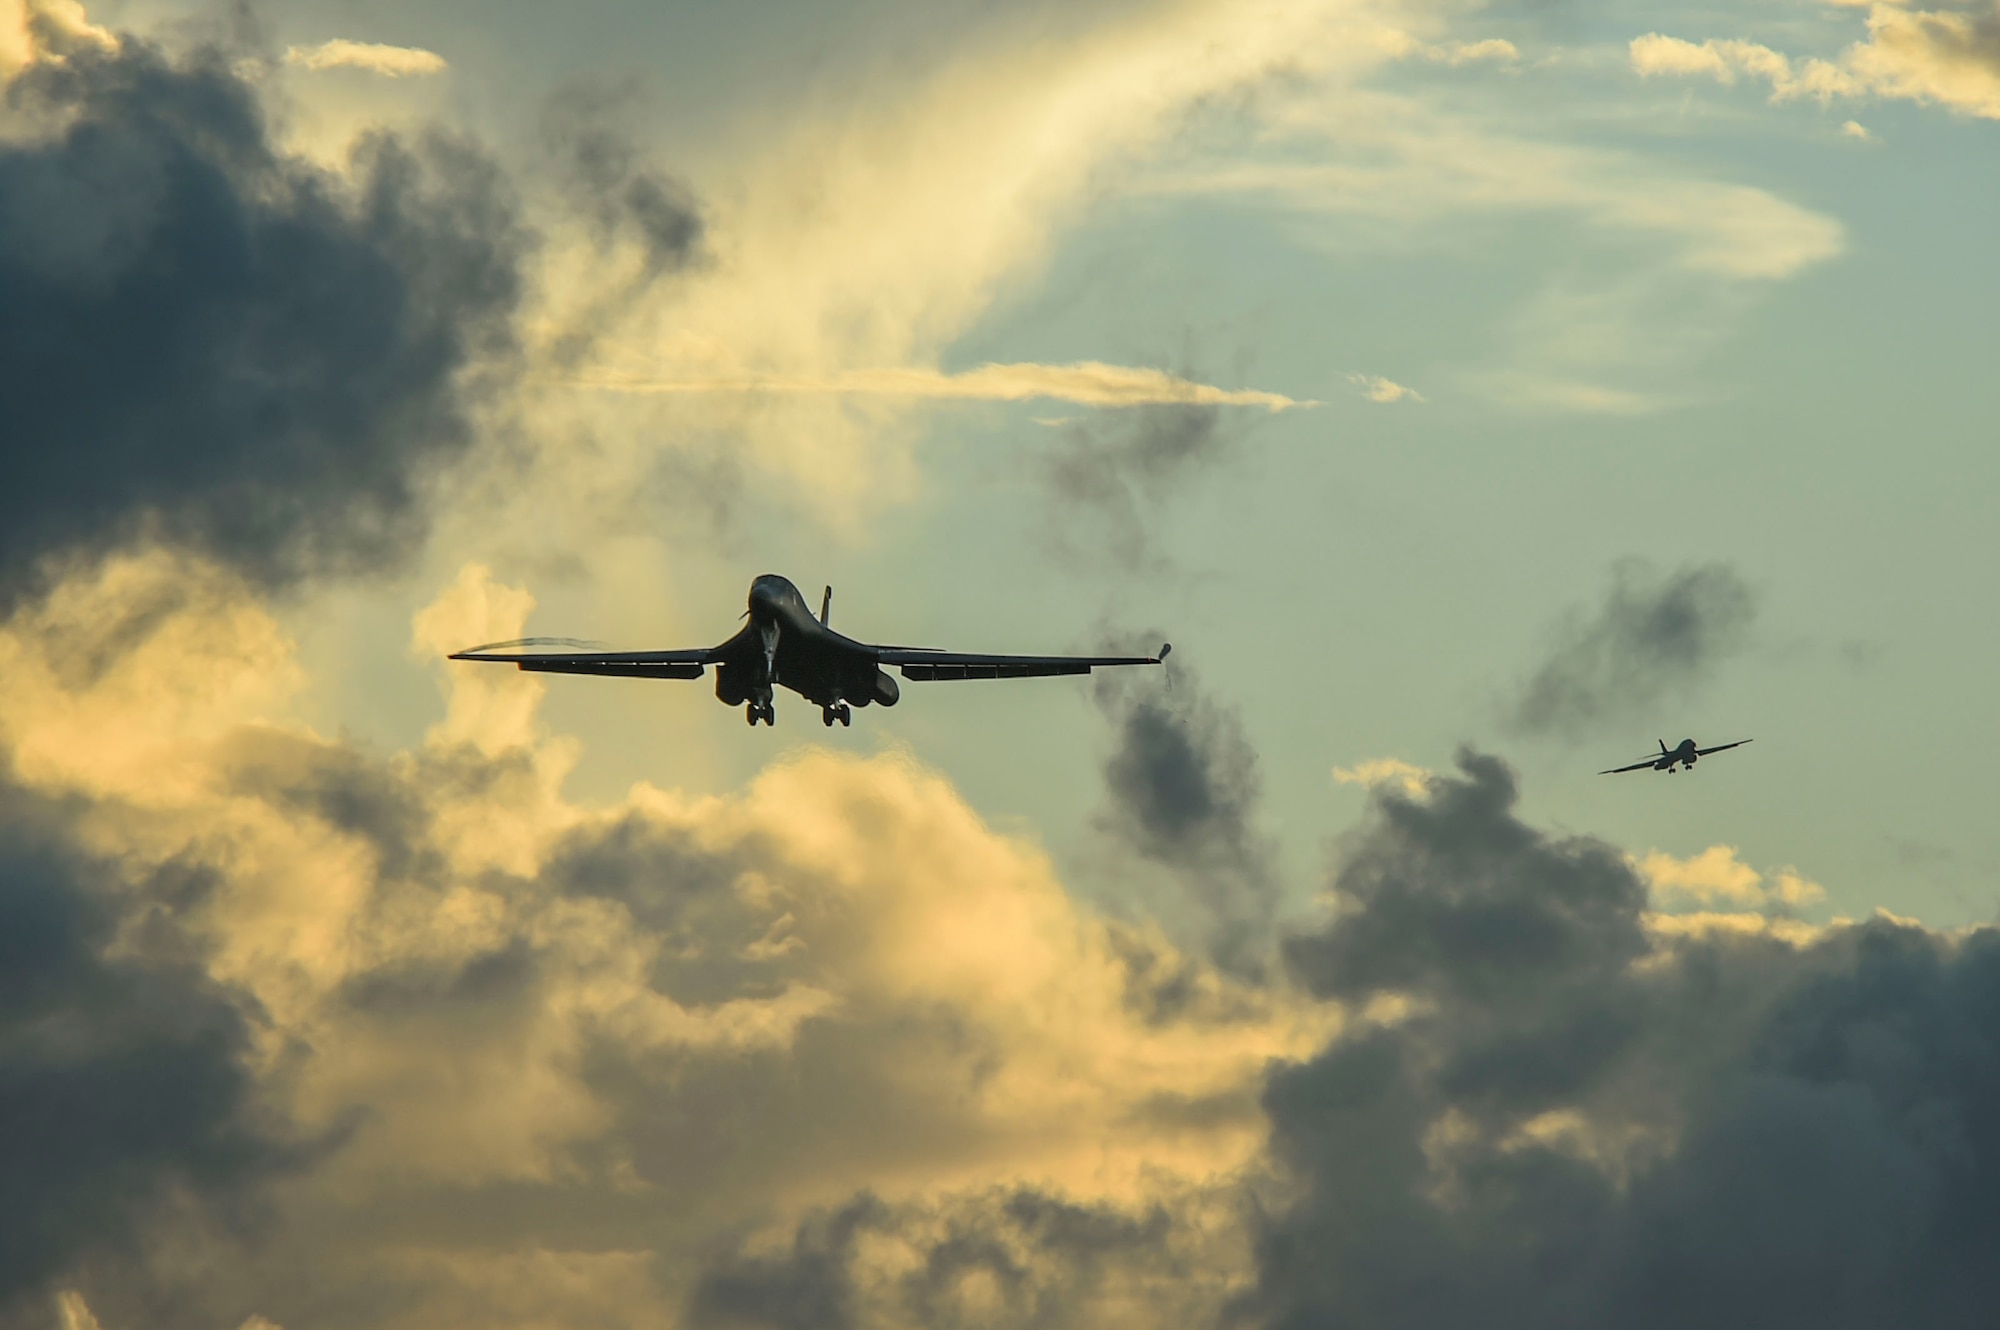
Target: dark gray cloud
x,y
608,180
1731,1131
122,1075
604,177
1107,476
1184,793
207,341
1653,639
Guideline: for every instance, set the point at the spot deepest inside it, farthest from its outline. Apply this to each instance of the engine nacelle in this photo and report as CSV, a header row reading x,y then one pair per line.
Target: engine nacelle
x,y
886,691
732,684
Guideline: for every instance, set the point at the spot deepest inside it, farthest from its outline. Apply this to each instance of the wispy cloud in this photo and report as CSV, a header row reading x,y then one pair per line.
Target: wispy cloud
x,y
1494,50
388,61
1386,391
1652,637
1086,383
1673,253
1399,162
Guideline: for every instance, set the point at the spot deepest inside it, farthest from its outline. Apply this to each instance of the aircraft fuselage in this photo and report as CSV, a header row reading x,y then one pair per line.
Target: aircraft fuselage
x,y
784,646
1685,755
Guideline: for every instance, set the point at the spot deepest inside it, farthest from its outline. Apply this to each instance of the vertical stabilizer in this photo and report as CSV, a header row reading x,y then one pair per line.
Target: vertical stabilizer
x,y
1663,742
826,607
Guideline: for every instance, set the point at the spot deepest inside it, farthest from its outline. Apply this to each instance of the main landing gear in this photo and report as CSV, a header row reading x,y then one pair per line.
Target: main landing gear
x,y
763,711
837,712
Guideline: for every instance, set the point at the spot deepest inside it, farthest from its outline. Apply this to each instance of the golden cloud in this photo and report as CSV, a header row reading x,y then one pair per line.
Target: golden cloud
x,y
1717,876
837,978
370,57
1947,57
1411,779
19,19
1086,383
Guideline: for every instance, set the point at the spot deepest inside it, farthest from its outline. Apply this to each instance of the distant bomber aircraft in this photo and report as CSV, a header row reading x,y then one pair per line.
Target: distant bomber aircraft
x,y
1685,756
784,645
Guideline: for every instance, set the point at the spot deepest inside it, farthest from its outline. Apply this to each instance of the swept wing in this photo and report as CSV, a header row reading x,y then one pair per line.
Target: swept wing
x,y
926,665
1704,752
619,664
1652,761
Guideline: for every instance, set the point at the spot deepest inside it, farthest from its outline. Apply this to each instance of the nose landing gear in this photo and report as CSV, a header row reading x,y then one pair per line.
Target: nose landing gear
x,y
837,712
763,711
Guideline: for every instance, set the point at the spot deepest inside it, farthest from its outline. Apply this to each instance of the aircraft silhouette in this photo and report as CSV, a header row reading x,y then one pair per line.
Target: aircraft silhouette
x,y
784,646
1685,756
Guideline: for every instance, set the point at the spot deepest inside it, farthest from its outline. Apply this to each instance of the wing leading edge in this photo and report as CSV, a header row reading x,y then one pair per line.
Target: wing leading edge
x,y
1704,752
1636,766
617,664
929,665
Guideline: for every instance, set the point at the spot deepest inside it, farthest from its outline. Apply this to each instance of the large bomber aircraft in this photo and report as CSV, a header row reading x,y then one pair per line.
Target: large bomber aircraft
x,y
1685,756
783,645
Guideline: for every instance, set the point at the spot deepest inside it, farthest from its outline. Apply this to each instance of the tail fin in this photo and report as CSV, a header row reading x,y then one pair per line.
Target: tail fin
x,y
826,608
1663,745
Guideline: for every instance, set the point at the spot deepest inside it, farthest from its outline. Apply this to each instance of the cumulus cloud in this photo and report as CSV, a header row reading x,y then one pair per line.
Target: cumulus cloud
x,y
1562,1121
124,1083
388,61
1652,639
36,30
1013,1258
828,1049
1950,57
1717,878
519,1015
206,341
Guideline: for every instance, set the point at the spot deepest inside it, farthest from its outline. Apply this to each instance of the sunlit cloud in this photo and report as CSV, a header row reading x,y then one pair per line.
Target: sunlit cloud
x,y
1947,57
371,57
1086,383
64,20
1407,777
1493,50
1718,878
815,333
376,908
1385,391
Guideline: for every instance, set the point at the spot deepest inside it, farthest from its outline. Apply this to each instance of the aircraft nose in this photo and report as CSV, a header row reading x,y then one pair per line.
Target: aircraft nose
x,y
765,596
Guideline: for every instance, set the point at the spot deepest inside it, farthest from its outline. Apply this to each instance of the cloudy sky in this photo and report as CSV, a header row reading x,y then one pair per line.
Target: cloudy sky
x,y
1473,394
